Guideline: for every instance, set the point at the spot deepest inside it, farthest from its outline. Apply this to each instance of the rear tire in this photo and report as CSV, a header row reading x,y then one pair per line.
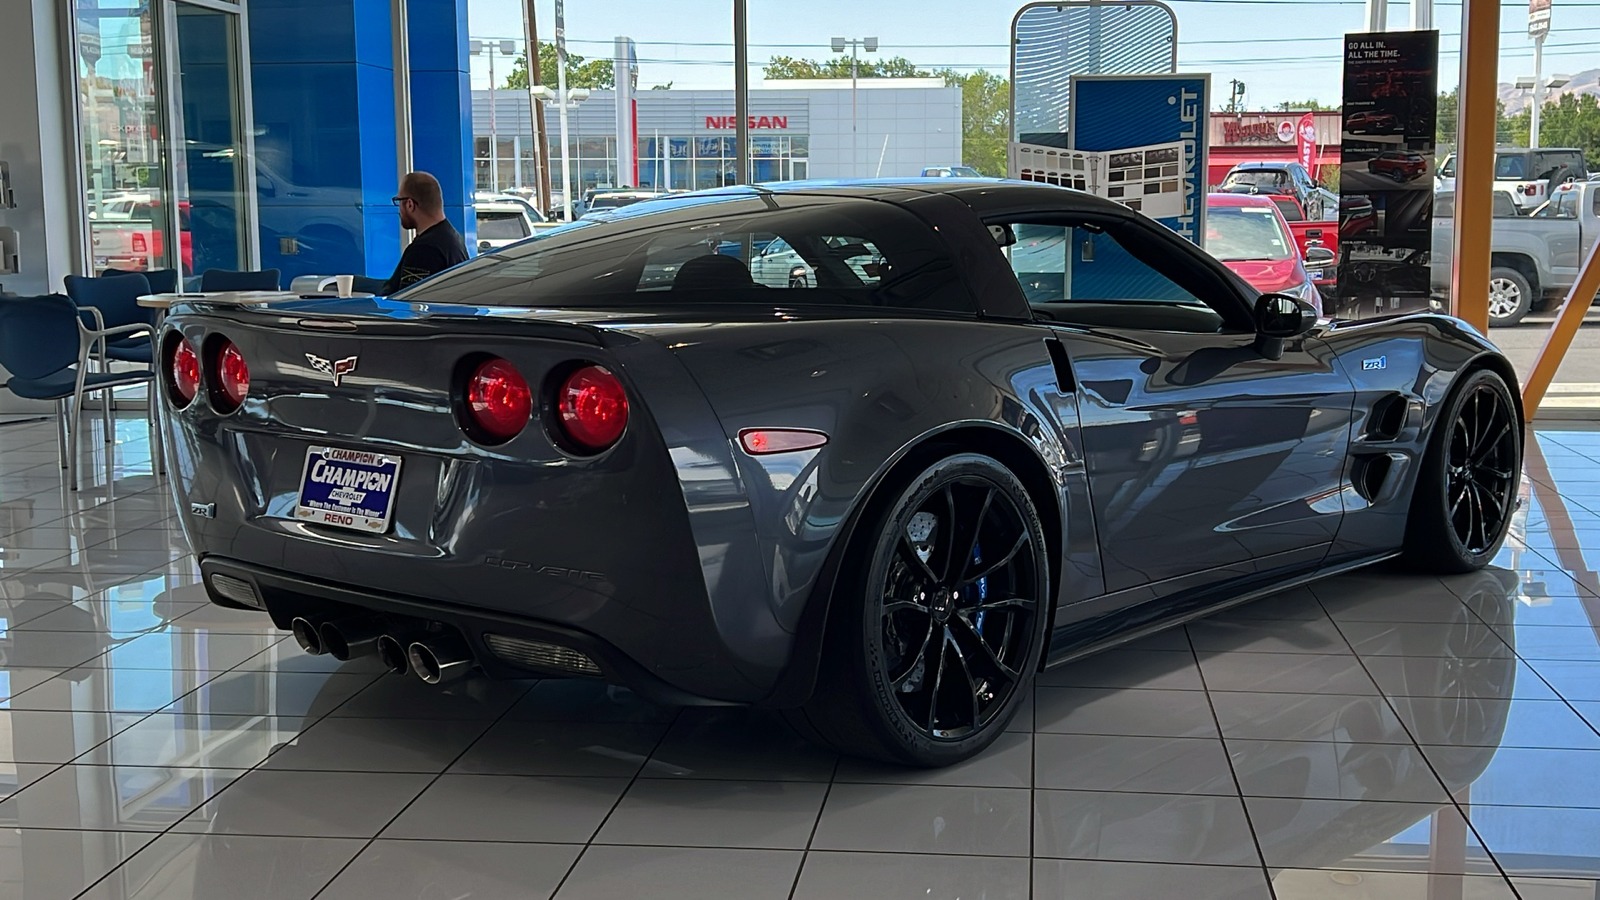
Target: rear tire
x,y
1510,296
1467,483
938,620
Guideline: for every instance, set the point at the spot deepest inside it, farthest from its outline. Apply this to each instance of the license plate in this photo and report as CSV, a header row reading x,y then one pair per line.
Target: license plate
x,y
348,488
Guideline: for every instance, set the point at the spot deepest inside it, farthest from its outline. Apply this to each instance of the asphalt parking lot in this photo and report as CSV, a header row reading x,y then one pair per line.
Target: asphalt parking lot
x,y
1522,343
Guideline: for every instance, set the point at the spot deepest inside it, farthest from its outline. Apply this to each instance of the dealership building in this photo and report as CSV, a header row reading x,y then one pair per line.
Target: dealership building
x,y
685,139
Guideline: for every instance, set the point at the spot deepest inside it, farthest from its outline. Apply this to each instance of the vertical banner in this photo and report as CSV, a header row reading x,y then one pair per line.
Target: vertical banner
x,y
1391,91
1305,143
1126,112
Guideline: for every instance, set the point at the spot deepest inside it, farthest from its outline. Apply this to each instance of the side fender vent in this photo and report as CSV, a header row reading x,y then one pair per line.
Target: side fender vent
x,y
1370,475
1387,417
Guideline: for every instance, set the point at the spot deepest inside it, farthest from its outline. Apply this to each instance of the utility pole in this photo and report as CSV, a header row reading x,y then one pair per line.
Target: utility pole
x,y
741,94
541,141
1538,91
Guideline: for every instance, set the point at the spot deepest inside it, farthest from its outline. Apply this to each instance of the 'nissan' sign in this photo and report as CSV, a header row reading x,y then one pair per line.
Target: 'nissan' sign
x,y
768,122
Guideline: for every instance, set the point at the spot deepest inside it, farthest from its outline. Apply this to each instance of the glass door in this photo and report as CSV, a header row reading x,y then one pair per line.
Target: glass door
x,y
211,154
164,135
122,135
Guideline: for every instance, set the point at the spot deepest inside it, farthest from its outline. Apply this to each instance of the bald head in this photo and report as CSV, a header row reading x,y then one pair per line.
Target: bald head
x,y
421,201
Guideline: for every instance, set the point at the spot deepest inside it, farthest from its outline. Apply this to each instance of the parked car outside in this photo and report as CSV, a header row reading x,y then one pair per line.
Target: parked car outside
x,y
951,172
1535,258
1317,239
501,223
1528,175
1252,239
1276,177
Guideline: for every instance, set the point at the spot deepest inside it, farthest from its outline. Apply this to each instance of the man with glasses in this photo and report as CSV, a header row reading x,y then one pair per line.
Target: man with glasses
x,y
437,246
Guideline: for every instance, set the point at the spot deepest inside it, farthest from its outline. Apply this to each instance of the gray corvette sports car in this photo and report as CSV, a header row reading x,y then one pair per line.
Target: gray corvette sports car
x,y
980,429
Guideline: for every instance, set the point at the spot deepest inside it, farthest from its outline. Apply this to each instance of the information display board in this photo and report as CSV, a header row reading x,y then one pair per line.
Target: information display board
x,y
1391,100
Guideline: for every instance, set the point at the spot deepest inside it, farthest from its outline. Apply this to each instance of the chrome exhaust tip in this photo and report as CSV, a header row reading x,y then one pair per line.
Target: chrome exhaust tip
x,y
440,661
351,638
392,653
306,635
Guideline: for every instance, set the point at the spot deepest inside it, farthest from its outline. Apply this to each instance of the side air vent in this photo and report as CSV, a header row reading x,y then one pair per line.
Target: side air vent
x,y
1387,418
1371,472
540,655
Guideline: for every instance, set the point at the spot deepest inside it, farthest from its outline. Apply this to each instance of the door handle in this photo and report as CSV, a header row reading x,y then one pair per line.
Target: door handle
x,y
1065,382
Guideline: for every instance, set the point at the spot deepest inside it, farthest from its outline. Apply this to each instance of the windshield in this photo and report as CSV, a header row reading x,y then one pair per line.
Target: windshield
x,y
501,226
1238,233
1261,178
1448,170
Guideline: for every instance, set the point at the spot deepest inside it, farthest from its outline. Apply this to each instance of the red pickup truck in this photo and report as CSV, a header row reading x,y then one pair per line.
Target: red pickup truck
x,y
1311,234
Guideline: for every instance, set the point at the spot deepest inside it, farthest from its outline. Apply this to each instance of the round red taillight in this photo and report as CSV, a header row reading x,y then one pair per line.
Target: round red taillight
x,y
233,376
184,377
593,408
499,400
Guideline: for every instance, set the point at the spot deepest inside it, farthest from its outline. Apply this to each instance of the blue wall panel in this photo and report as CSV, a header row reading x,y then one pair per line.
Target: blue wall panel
x,y
323,87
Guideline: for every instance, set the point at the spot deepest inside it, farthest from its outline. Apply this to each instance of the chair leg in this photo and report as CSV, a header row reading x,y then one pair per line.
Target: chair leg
x,y
152,417
61,432
106,398
75,431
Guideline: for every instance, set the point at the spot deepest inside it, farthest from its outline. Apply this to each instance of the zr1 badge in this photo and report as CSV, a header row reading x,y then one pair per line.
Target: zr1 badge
x,y
1368,365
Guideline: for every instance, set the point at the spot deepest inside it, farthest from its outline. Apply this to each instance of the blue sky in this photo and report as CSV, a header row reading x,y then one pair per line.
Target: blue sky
x,y
1283,51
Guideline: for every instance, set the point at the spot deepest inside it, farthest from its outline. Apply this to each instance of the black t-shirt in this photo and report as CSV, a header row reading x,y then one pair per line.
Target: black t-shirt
x,y
430,253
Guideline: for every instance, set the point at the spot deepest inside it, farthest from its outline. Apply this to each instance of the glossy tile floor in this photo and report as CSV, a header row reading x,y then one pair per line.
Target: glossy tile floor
x,y
1380,735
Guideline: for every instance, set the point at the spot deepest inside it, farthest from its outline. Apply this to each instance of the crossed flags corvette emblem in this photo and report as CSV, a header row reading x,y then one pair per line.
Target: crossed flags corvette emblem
x,y
335,369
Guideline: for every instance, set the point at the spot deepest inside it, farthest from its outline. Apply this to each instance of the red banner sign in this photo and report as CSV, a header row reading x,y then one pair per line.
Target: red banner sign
x,y
1305,143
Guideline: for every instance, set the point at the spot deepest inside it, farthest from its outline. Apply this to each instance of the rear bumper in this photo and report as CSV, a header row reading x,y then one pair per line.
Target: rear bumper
x,y
287,596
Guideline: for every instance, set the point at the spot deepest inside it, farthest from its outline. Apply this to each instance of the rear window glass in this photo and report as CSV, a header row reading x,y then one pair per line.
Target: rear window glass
x,y
730,249
501,226
1290,209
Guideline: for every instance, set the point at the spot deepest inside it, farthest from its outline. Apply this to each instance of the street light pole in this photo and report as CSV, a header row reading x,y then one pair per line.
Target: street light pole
x,y
1538,92
871,46
541,139
561,88
741,94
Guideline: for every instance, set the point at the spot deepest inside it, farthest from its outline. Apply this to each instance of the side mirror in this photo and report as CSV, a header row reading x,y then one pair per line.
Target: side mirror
x,y
1278,318
1319,257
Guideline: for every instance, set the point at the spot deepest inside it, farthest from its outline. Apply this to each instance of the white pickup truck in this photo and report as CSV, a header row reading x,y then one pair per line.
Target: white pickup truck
x,y
1534,258
1527,175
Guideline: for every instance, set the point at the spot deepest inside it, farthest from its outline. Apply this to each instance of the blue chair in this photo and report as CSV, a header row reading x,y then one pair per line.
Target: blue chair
x,y
162,281
45,346
226,280
113,303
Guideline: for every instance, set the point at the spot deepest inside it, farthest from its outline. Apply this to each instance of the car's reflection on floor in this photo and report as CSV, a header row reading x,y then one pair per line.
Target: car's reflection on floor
x,y
1378,735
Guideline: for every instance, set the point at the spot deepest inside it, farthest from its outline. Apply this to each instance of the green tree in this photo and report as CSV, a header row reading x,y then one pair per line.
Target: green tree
x,y
985,99
985,119
786,67
1306,106
1573,120
580,73
1506,129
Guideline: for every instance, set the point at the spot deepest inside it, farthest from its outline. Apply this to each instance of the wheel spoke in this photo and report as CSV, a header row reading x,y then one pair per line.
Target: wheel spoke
x,y
909,552
966,672
1002,562
938,681
972,644
911,667
1004,602
896,606
977,531
1491,446
950,530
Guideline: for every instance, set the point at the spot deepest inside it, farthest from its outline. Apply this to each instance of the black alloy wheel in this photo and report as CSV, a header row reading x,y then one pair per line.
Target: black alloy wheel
x,y
1467,487
938,619
1481,469
958,604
